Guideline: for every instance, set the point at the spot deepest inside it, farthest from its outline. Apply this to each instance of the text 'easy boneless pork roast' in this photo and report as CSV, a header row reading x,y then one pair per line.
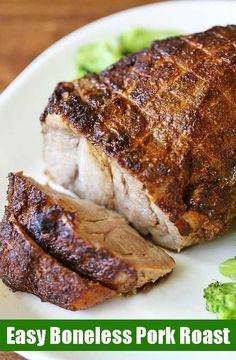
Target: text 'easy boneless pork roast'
x,y
154,137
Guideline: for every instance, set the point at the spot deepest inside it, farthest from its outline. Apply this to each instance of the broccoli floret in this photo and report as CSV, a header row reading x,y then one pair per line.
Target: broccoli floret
x,y
221,299
96,57
138,38
228,268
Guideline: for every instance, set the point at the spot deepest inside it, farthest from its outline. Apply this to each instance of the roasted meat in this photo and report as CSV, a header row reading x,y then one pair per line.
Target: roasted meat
x,y
154,137
87,238
24,266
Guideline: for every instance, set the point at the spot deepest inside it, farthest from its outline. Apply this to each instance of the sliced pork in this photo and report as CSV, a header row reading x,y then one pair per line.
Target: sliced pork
x,y
87,238
24,266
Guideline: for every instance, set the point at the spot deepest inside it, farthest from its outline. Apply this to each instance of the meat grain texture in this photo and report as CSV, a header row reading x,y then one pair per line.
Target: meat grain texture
x,y
89,239
153,137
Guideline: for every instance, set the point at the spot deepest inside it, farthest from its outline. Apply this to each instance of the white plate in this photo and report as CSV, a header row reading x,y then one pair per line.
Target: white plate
x,y
20,148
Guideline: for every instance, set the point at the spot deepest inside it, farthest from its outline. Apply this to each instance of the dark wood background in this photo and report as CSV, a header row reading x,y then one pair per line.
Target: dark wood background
x,y
27,27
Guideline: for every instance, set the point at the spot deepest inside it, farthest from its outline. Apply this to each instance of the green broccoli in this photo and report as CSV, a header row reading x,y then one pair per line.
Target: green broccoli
x,y
138,38
95,57
221,299
228,268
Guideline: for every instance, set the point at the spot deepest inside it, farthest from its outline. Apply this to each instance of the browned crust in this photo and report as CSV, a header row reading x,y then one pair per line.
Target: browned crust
x,y
24,266
167,115
54,229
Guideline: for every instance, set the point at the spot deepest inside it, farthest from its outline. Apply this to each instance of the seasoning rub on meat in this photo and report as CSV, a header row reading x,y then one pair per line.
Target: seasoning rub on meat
x,y
153,137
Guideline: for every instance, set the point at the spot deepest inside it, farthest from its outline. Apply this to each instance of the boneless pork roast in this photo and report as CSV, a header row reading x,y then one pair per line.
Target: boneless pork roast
x,y
153,137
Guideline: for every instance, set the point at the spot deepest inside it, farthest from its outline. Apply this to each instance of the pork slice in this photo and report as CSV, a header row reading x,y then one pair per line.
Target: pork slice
x,y
24,266
153,136
89,239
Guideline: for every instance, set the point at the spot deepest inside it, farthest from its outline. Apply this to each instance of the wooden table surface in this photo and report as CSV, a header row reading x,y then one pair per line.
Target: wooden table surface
x,y
27,27
10,356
